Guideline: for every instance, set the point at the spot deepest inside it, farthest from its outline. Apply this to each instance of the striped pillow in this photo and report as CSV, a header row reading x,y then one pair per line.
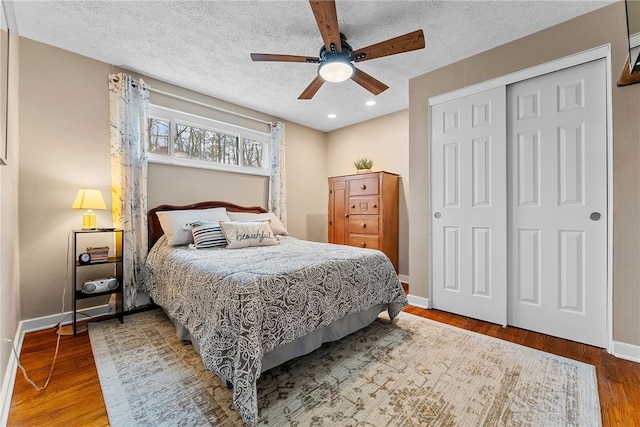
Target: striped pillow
x,y
208,235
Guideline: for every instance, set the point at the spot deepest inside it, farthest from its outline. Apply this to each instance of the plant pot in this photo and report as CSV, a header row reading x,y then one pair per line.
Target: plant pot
x,y
363,170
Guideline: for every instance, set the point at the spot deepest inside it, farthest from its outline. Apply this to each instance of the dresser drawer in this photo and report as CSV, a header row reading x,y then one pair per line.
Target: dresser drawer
x,y
366,205
364,241
363,224
364,186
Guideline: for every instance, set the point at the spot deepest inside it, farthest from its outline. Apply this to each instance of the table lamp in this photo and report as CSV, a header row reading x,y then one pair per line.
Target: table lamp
x,y
89,199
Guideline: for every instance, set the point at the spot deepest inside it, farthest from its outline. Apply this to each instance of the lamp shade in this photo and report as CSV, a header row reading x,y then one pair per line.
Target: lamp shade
x,y
89,199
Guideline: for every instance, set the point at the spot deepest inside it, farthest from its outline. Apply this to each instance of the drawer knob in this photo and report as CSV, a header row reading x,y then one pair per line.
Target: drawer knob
x,y
375,206
363,187
353,206
363,244
346,215
363,225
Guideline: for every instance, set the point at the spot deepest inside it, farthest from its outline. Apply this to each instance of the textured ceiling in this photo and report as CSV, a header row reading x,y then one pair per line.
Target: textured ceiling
x,y
205,45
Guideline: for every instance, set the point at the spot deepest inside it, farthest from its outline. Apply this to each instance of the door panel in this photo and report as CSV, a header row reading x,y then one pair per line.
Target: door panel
x,y
558,178
468,222
338,223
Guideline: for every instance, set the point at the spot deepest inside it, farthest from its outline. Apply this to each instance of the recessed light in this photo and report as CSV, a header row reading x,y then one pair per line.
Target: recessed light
x,y
332,116
370,103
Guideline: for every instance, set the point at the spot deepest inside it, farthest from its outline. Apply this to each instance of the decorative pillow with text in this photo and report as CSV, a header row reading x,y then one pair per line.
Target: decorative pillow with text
x,y
242,234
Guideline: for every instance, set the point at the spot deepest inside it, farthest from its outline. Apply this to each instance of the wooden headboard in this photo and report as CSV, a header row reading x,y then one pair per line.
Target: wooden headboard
x,y
155,230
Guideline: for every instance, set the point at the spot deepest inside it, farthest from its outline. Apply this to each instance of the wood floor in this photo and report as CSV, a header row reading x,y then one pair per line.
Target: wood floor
x,y
74,398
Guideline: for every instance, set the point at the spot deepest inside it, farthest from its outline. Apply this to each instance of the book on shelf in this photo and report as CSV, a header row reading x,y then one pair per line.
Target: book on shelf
x,y
99,253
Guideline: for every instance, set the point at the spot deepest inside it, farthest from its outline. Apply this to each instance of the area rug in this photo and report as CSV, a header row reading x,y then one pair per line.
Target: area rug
x,y
410,372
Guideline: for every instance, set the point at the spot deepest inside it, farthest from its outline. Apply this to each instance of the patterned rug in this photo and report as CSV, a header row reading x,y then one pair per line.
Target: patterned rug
x,y
412,372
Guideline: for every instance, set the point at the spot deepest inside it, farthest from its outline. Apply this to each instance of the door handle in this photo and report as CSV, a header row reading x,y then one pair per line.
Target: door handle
x,y
595,216
437,215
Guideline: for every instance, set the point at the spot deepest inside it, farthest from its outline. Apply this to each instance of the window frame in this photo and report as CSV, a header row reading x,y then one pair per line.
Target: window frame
x,y
205,123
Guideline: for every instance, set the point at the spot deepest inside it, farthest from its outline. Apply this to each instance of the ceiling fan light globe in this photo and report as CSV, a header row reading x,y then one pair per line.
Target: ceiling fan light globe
x,y
336,71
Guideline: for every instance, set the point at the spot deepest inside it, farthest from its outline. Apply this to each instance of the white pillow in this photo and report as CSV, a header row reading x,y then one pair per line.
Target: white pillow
x,y
243,234
276,225
177,224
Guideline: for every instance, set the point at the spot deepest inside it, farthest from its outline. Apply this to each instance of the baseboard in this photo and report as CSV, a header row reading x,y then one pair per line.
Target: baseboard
x,y
418,301
31,325
10,376
44,322
626,351
414,300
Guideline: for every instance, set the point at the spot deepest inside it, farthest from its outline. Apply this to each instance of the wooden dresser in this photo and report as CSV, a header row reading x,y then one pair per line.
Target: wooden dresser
x,y
363,211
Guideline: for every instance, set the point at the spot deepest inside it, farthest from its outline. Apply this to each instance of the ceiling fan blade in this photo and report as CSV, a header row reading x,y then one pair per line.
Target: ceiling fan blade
x,y
327,20
405,43
371,84
312,88
283,58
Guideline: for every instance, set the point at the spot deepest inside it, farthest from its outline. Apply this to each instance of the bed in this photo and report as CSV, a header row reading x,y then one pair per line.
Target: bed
x,y
248,310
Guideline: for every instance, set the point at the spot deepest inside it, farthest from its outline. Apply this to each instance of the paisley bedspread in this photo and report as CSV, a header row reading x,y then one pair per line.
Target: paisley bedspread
x,y
241,303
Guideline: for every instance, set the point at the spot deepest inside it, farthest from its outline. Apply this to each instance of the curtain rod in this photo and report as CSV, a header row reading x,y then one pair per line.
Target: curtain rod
x,y
203,104
193,101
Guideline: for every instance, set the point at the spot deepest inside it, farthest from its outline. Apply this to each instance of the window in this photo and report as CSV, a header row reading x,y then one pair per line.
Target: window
x,y
187,140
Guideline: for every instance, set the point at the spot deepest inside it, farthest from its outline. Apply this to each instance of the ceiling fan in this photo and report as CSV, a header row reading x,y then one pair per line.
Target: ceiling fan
x,y
336,57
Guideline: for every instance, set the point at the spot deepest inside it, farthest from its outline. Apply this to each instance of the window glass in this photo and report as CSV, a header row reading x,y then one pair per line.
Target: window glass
x,y
184,139
158,132
253,153
204,144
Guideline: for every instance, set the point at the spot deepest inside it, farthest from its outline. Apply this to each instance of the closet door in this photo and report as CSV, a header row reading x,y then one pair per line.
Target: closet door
x,y
558,203
468,200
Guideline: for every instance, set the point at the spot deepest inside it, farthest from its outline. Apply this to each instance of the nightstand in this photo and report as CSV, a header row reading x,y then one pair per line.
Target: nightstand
x,y
107,268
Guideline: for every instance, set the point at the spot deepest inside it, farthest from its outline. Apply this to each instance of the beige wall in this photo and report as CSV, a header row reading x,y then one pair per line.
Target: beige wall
x,y
385,140
606,25
177,185
9,274
64,144
306,183
633,8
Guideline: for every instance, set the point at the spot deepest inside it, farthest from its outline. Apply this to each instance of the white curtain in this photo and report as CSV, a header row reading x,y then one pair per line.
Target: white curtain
x,y
129,101
278,183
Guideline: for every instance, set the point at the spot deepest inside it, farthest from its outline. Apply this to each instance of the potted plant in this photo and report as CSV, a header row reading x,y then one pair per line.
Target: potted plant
x,y
363,165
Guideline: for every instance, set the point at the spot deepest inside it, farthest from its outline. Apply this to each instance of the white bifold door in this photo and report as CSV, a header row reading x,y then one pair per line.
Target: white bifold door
x,y
469,206
519,204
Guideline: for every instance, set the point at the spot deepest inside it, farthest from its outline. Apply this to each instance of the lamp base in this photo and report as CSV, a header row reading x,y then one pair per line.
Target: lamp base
x,y
89,220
